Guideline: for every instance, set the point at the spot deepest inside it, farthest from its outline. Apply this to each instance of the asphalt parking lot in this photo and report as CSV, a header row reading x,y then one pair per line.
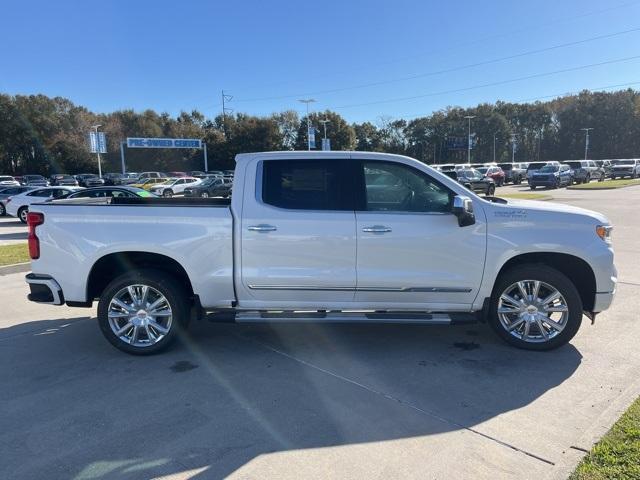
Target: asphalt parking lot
x,y
313,401
12,231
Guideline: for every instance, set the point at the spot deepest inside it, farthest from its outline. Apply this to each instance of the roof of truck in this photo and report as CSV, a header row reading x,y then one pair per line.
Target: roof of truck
x,y
306,154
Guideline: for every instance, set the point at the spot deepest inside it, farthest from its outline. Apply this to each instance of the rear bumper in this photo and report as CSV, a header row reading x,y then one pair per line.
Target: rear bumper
x,y
44,289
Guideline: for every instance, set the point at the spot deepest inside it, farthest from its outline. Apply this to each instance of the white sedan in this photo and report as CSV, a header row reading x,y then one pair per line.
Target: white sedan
x,y
8,181
174,186
18,205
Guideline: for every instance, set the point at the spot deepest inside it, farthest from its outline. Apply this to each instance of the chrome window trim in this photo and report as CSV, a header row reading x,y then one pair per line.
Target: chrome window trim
x,y
363,289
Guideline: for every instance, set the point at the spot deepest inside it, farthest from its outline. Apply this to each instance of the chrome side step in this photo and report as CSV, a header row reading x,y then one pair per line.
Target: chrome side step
x,y
344,317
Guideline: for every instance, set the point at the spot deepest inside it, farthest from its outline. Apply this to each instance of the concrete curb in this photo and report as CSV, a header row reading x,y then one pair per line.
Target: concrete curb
x,y
15,268
605,187
589,438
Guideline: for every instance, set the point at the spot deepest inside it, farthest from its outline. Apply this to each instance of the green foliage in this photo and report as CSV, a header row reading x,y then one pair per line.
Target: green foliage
x,y
12,254
617,454
39,134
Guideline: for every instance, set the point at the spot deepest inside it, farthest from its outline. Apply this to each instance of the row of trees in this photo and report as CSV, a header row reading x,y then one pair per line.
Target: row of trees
x,y
45,135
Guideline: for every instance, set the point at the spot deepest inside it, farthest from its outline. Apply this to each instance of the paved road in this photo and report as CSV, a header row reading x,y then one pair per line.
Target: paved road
x,y
311,401
12,230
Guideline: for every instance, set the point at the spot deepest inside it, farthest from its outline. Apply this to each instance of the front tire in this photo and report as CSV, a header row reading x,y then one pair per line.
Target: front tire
x,y
167,193
141,312
532,187
491,190
535,307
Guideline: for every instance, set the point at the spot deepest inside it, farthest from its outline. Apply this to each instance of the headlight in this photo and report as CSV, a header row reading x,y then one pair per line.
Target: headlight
x,y
604,232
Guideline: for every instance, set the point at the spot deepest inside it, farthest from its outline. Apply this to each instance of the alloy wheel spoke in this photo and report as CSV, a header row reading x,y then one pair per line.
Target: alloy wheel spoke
x,y
557,308
159,328
525,332
124,329
150,335
509,310
515,324
114,314
552,323
160,313
551,298
134,335
536,289
523,290
122,305
543,331
154,306
511,300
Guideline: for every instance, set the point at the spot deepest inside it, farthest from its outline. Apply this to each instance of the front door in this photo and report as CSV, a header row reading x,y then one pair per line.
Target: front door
x,y
298,236
411,251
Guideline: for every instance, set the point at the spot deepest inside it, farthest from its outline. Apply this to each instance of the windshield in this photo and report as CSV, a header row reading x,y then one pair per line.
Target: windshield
x,y
506,166
624,162
549,169
535,166
574,165
483,170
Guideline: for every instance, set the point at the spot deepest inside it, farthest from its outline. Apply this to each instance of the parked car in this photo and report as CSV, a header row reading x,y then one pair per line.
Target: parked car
x,y
533,166
6,192
130,178
176,174
196,174
209,187
59,179
605,166
145,175
34,181
112,179
18,205
148,183
494,173
473,180
585,170
174,186
513,173
113,191
8,181
89,180
625,168
551,176
284,249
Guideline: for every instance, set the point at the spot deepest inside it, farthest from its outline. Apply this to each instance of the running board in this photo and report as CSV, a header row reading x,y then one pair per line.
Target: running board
x,y
343,317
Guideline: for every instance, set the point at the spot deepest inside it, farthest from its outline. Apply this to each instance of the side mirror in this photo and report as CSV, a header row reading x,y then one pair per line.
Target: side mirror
x,y
463,209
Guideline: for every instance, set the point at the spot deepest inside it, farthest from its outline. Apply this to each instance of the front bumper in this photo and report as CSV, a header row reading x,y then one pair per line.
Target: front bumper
x,y
44,289
622,173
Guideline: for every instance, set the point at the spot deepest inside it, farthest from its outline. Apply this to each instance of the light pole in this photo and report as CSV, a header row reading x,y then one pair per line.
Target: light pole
x,y
513,147
469,117
307,101
586,141
494,146
95,129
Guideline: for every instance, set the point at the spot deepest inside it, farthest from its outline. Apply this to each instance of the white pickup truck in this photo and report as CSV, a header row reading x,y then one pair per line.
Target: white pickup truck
x,y
325,237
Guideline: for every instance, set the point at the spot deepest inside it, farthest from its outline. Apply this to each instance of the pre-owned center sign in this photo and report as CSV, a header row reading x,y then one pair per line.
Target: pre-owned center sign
x,y
163,143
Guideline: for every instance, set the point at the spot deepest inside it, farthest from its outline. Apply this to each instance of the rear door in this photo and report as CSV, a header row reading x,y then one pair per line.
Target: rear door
x,y
411,251
298,240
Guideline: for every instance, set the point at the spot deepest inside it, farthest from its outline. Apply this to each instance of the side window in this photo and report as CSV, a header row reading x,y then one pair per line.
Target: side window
x,y
394,187
304,184
40,193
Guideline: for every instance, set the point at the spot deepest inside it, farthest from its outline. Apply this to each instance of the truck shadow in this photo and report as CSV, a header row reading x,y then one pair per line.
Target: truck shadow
x,y
228,394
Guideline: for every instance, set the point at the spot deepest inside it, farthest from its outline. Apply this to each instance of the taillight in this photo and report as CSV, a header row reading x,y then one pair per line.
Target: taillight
x,y
33,220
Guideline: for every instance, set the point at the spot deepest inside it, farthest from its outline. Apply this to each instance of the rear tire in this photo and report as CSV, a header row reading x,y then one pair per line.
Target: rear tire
x,y
532,187
3,211
204,194
135,329
22,214
522,323
167,193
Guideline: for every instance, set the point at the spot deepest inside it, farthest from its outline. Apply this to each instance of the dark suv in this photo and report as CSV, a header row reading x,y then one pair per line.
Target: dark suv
x,y
209,187
89,180
34,181
551,176
473,180
60,179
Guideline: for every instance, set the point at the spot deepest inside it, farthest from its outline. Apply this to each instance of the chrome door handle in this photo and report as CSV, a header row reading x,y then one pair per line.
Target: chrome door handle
x,y
376,229
263,227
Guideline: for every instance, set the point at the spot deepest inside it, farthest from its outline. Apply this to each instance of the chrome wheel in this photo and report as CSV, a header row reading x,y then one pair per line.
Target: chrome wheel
x,y
204,195
140,315
23,214
533,311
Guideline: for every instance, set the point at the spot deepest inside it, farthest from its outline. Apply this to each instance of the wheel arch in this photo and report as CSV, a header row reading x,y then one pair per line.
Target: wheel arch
x,y
108,267
574,268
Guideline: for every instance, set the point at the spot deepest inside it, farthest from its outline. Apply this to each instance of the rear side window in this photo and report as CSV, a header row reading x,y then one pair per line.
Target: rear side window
x,y
304,184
